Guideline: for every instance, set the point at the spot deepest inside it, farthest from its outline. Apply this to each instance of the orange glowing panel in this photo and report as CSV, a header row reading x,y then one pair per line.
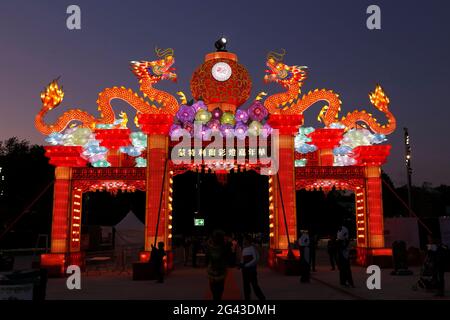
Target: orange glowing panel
x,y
382,252
144,256
360,218
157,154
286,176
60,223
75,234
375,212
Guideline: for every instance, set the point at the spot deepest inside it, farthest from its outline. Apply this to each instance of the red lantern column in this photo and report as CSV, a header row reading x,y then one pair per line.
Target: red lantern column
x,y
76,256
156,126
288,126
374,207
372,157
56,260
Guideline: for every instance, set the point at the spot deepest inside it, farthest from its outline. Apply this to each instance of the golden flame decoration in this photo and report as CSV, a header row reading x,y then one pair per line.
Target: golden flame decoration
x,y
378,98
136,121
163,53
276,55
260,95
182,97
52,95
124,122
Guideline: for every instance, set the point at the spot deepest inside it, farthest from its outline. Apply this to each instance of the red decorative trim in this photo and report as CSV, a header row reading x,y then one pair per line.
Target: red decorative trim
x,y
109,174
286,124
65,156
155,123
113,138
326,138
371,155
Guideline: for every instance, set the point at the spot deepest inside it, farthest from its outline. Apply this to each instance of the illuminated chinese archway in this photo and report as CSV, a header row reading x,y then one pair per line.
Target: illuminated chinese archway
x,y
214,133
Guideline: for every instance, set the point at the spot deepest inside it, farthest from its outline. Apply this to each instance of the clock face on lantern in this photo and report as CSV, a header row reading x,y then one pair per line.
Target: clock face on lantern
x,y
221,71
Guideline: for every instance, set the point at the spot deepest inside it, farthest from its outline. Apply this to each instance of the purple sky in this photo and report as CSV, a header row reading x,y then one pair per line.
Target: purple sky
x,y
409,56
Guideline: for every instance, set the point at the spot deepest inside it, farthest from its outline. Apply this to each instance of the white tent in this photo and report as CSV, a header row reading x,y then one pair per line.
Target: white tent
x,y
129,232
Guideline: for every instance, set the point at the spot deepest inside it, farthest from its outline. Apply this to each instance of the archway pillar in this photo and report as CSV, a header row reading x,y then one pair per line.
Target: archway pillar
x,y
285,196
282,191
373,251
62,253
156,187
158,191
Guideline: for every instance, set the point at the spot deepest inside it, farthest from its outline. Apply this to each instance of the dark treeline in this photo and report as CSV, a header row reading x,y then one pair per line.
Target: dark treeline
x,y
26,173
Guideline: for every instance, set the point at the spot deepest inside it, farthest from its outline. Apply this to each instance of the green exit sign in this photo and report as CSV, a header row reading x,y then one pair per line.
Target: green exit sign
x,y
199,222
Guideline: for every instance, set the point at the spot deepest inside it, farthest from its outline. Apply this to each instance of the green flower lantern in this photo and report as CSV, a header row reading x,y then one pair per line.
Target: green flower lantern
x,y
228,118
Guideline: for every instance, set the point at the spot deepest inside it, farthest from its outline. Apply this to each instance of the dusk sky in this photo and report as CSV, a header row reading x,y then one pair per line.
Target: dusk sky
x,y
409,57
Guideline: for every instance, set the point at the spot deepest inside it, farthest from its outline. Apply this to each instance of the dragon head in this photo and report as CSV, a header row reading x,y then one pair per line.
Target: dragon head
x,y
52,95
379,99
158,69
282,73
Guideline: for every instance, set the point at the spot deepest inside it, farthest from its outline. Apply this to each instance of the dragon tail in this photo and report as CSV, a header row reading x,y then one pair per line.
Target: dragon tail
x,y
51,97
379,100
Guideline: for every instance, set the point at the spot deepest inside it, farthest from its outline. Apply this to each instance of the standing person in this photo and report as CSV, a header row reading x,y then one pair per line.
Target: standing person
x,y
195,248
331,248
303,243
343,258
217,264
187,248
157,259
249,262
234,249
437,253
229,251
312,251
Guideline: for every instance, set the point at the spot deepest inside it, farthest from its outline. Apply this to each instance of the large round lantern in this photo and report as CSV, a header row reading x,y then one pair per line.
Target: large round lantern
x,y
221,82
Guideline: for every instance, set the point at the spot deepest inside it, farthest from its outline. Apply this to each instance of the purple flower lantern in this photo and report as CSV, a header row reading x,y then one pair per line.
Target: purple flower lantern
x,y
257,111
266,130
240,131
217,113
189,127
227,130
202,133
241,115
214,124
199,105
186,114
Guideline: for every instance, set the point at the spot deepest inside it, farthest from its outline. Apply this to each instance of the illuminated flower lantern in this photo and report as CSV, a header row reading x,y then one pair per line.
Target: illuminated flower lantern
x,y
203,116
221,82
325,140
